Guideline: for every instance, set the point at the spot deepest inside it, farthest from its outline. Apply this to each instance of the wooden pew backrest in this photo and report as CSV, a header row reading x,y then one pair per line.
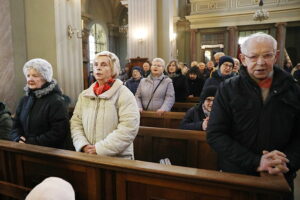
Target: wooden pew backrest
x,y
183,147
108,178
167,120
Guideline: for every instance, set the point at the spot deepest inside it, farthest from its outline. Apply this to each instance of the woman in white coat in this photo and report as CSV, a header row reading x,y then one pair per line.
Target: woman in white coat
x,y
106,117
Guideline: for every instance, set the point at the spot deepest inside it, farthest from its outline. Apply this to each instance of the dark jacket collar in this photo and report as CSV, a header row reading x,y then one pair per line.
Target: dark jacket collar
x,y
281,79
47,88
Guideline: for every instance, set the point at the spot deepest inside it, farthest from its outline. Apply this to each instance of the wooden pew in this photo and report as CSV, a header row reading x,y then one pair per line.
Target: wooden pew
x,y
167,120
182,107
192,99
107,178
183,147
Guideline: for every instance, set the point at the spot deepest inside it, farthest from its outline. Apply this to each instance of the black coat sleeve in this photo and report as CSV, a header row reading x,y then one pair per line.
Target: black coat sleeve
x,y
220,139
17,129
5,126
293,149
190,122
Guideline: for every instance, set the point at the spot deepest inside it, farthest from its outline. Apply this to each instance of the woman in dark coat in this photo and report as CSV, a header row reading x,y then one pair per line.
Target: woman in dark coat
x,y
41,117
180,83
196,118
195,82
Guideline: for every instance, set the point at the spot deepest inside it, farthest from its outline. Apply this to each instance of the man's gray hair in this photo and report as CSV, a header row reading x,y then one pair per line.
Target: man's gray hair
x,y
40,65
219,54
259,37
114,62
160,60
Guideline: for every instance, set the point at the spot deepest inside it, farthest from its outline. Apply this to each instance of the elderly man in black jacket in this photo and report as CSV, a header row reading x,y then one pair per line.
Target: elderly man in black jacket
x,y
255,120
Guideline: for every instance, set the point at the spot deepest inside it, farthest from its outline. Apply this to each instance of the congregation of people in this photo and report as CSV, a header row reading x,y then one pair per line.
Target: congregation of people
x,y
248,106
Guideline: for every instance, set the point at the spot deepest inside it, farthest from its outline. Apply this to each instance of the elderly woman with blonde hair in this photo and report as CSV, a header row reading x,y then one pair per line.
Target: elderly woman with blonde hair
x,y
41,117
156,92
106,117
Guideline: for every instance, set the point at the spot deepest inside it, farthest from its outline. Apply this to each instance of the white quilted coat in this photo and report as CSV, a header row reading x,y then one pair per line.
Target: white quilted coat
x,y
109,121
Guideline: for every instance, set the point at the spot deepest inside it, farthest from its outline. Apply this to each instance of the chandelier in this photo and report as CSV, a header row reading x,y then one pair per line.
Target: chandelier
x,y
124,27
261,14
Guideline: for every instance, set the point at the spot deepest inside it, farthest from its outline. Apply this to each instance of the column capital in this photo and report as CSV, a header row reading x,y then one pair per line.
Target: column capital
x,y
281,24
232,28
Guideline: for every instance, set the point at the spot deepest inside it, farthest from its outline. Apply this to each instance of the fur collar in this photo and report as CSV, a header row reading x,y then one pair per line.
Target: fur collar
x,y
46,89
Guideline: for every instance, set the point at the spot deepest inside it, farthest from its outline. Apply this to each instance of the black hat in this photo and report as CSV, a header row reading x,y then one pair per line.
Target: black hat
x,y
226,59
209,91
137,68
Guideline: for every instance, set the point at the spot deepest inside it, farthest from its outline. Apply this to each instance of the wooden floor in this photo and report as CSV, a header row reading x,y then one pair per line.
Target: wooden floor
x,y
297,186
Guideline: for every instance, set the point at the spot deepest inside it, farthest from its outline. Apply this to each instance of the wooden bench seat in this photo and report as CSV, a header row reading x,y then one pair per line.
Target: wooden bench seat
x,y
106,178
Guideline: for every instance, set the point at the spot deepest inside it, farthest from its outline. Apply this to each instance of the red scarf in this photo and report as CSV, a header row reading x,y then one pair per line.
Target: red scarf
x,y
99,89
265,83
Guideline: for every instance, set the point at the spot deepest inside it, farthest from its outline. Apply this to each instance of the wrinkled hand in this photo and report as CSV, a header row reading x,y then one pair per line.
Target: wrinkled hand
x,y
273,162
22,140
141,109
204,123
90,149
160,112
190,96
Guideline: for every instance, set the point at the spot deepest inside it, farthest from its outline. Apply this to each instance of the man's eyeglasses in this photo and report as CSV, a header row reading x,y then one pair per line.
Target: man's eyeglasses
x,y
266,57
227,65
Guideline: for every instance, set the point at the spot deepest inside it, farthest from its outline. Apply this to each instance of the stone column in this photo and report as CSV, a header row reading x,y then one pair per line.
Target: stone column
x,y
7,71
69,50
193,44
232,41
142,28
280,37
113,32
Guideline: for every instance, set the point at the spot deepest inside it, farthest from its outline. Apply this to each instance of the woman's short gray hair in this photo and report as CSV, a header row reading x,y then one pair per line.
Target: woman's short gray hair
x,y
40,65
160,60
114,62
259,37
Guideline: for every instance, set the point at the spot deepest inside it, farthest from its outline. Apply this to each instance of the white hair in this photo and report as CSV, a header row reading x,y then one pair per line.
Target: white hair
x,y
52,188
40,65
114,62
160,60
258,37
219,54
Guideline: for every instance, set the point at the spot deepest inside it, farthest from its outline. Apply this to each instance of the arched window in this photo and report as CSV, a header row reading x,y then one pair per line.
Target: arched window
x,y
97,41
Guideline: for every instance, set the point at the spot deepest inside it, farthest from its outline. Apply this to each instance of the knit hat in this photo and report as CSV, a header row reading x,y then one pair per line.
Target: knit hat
x,y
137,68
209,91
52,188
40,65
226,59
194,70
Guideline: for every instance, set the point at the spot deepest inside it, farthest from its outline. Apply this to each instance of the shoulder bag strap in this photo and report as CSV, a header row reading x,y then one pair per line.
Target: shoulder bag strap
x,y
153,93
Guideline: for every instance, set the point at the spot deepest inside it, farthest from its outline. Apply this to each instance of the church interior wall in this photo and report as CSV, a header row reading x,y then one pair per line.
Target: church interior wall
x,y
19,56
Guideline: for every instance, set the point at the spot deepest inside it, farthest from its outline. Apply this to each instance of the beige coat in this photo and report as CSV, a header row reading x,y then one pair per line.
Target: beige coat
x,y
109,121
